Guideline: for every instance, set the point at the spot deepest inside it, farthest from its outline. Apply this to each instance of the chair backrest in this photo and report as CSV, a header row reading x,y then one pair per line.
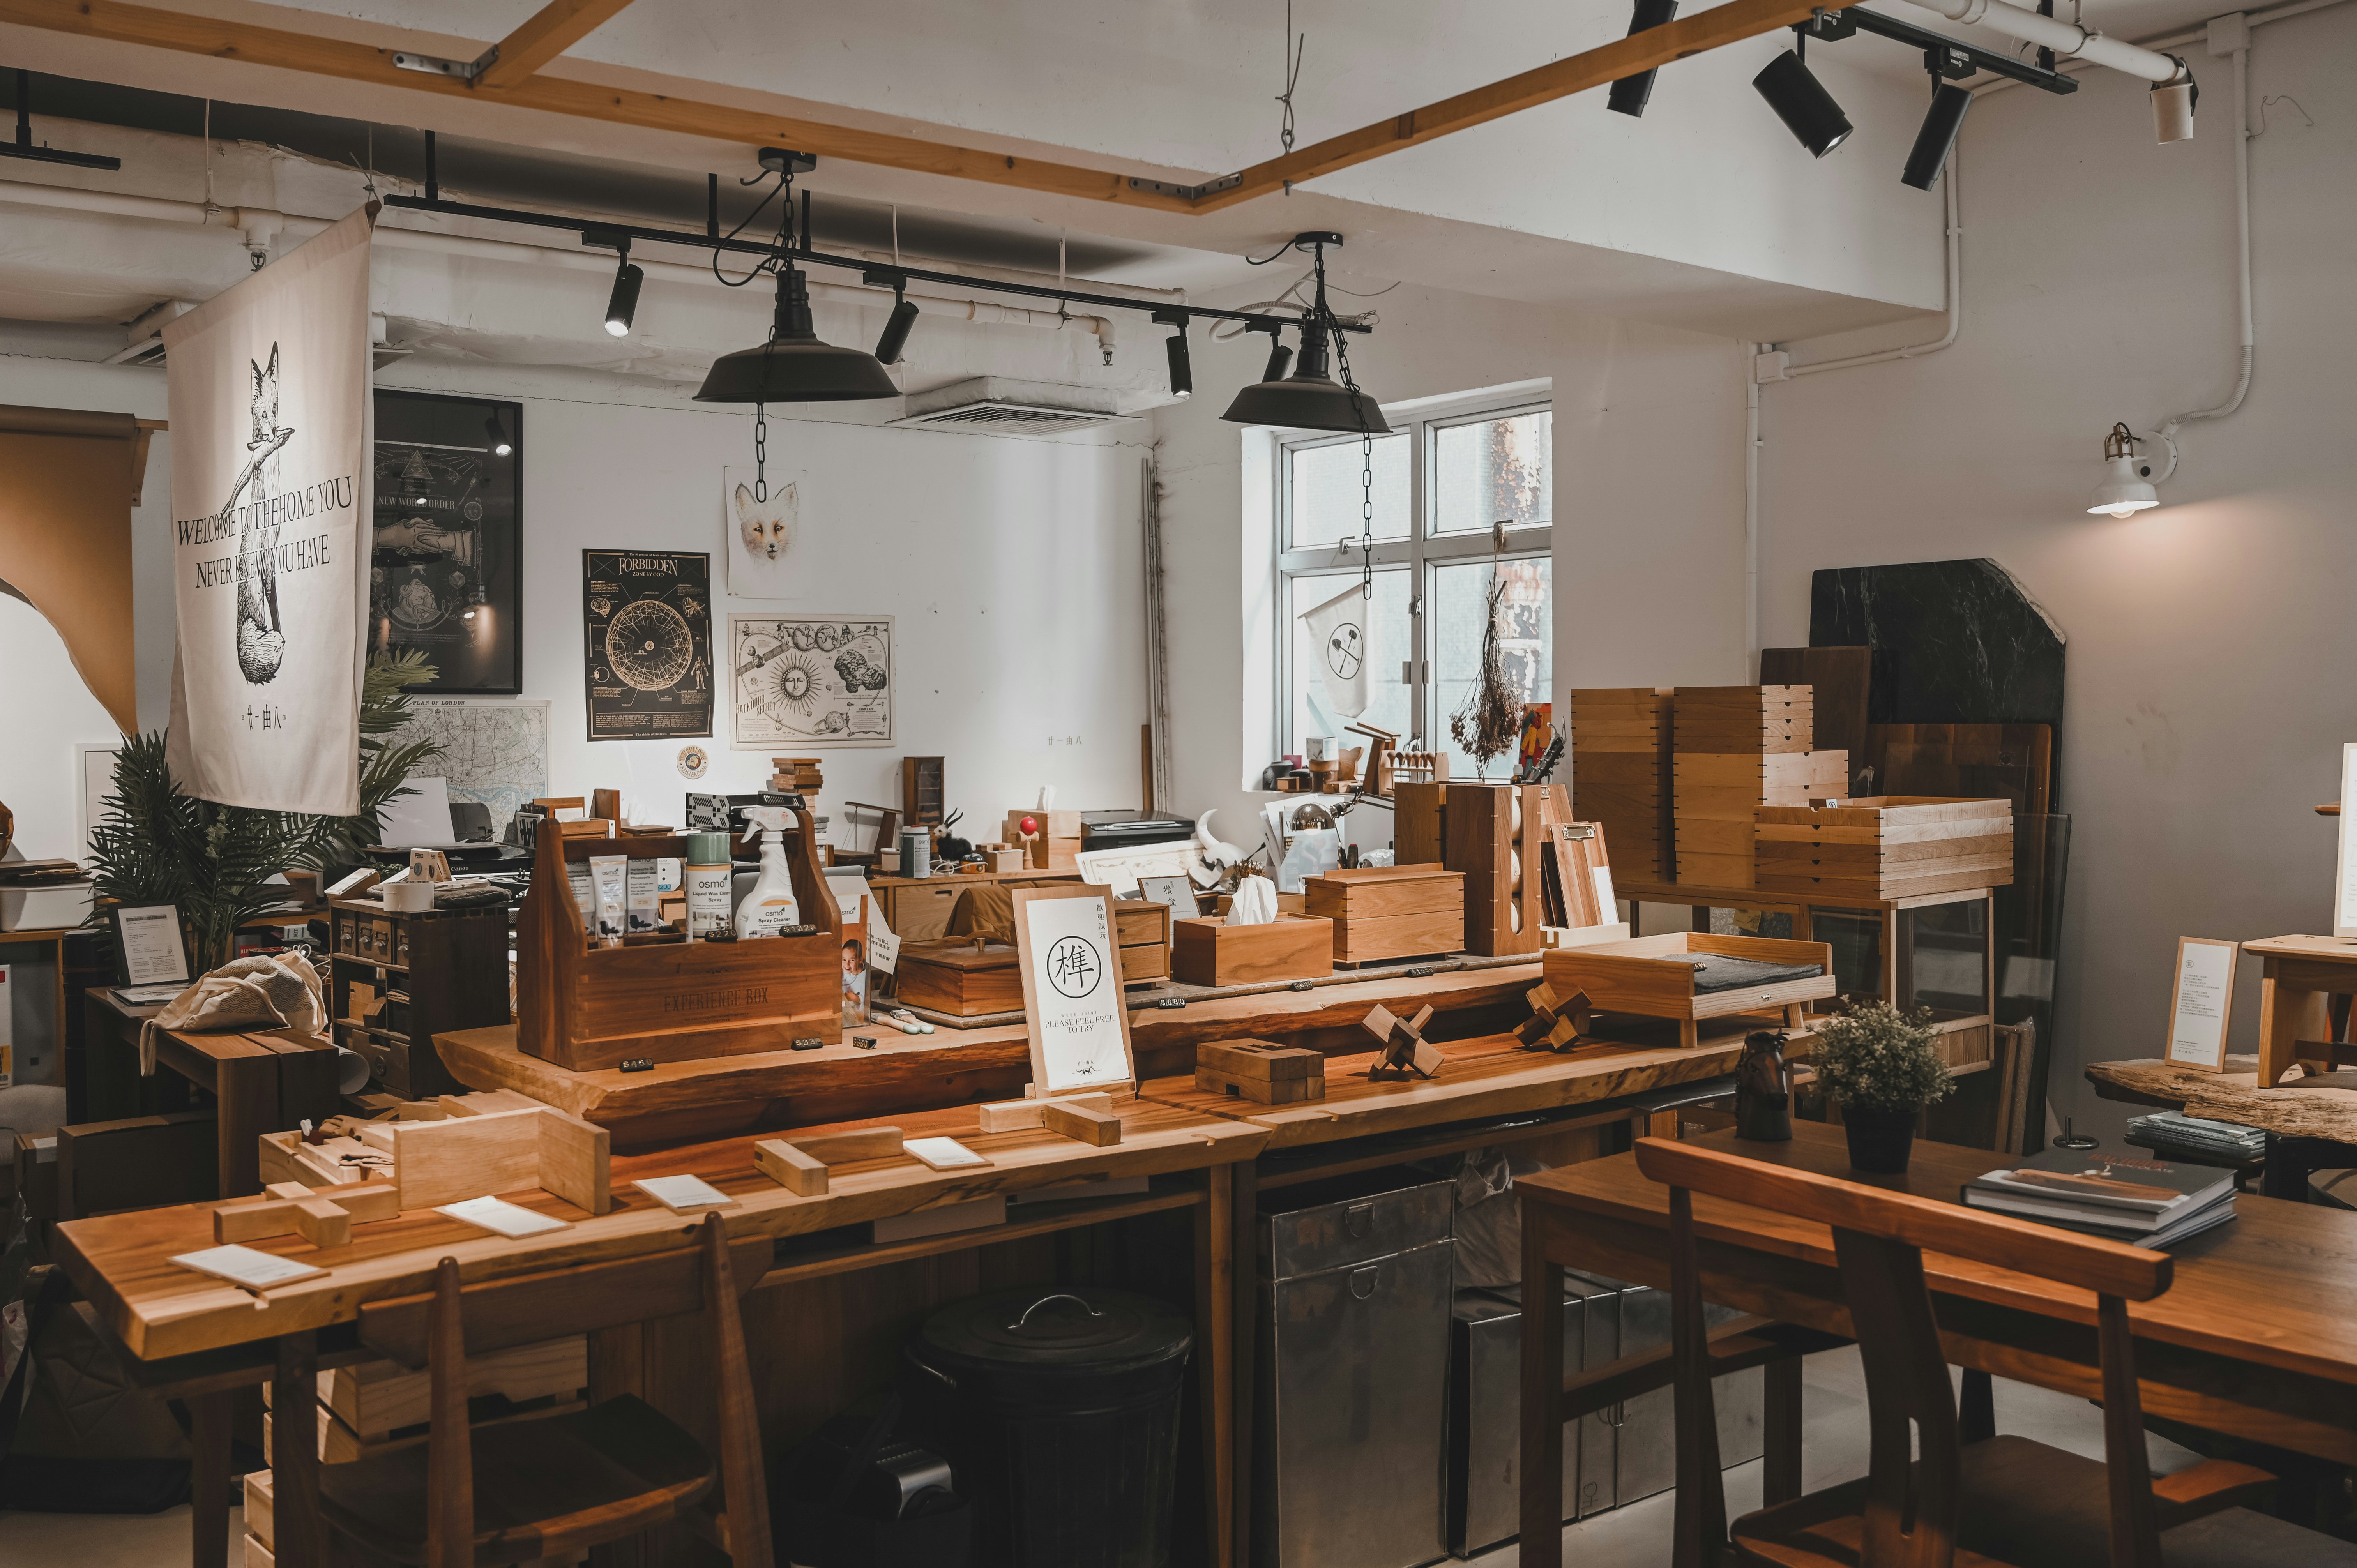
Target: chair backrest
x,y
1880,1238
439,1330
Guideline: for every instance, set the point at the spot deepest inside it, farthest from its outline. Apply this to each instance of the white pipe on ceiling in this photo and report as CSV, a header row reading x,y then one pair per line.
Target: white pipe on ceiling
x,y
2063,39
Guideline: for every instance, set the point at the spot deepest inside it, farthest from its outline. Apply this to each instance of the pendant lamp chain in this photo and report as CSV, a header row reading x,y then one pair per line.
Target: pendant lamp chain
x,y
1366,435
760,452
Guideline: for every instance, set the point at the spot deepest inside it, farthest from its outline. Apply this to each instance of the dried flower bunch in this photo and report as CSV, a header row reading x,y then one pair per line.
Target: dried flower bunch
x,y
1491,721
1876,1057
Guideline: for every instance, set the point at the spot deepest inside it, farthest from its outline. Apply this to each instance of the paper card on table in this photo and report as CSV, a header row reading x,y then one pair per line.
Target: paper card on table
x,y
247,1266
945,1153
683,1192
501,1218
2198,1008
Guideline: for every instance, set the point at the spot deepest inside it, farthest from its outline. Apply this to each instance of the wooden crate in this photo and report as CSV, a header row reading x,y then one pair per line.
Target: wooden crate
x,y
1717,792
1643,976
1495,839
1390,912
956,977
670,1000
1884,846
1620,752
1743,718
1209,951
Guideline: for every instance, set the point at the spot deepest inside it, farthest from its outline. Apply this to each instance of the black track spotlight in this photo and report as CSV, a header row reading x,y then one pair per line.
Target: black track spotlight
x,y
1628,94
793,366
896,329
1280,358
1182,370
497,431
1932,142
623,305
1801,102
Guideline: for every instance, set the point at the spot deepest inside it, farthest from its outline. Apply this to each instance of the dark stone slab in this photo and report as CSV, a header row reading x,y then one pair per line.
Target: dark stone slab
x,y
1955,641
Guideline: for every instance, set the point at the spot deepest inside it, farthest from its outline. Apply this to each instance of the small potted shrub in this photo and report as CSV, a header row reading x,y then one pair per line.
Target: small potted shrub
x,y
1880,1065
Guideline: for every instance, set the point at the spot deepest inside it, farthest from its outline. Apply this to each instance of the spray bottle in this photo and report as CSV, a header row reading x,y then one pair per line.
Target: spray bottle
x,y
769,908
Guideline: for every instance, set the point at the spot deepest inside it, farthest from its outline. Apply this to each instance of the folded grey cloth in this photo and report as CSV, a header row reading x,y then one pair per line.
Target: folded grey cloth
x,y
1716,972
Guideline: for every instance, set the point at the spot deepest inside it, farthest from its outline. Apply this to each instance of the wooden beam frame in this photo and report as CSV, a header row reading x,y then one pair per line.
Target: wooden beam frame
x,y
555,28
561,23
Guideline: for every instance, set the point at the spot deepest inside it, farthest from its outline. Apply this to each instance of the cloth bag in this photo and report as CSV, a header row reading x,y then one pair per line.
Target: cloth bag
x,y
267,991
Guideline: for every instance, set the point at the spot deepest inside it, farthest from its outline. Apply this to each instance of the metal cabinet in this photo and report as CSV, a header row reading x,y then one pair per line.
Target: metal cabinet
x,y
1647,1461
1351,1378
1485,1386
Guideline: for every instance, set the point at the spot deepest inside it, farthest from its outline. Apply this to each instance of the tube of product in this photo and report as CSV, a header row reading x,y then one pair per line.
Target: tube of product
x,y
577,872
644,895
610,879
709,878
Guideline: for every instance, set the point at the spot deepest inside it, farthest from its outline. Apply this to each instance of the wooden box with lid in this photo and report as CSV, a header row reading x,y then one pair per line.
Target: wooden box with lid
x,y
1390,912
1210,952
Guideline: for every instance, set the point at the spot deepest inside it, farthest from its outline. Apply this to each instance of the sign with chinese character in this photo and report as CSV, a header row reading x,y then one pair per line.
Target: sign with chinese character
x,y
269,386
648,617
1073,999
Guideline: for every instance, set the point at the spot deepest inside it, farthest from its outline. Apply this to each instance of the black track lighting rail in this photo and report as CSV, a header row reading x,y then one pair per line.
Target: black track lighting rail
x,y
609,231
1957,60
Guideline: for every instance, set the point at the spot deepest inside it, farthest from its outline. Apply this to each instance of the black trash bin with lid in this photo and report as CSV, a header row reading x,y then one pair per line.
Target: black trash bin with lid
x,y
1060,1411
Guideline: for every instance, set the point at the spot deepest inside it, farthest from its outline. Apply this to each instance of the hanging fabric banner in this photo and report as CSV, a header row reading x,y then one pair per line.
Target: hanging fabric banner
x,y
1337,645
270,386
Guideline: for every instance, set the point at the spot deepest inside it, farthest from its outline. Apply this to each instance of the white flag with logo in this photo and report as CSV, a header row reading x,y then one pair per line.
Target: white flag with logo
x,y
270,388
1338,646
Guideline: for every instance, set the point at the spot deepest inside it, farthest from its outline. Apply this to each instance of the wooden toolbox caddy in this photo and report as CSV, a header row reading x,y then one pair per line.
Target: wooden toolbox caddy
x,y
1207,951
1495,838
1884,846
1620,771
1643,976
660,997
1390,912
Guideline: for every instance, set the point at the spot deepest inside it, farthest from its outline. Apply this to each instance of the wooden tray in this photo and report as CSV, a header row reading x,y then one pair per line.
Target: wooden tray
x,y
1631,977
670,1001
1208,951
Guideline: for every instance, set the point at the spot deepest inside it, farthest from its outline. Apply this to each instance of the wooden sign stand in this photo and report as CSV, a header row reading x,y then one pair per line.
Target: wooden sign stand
x,y
799,1163
2199,1004
1073,1009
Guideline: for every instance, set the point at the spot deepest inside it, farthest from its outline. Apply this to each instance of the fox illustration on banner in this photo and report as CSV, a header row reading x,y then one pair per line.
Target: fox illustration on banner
x,y
270,390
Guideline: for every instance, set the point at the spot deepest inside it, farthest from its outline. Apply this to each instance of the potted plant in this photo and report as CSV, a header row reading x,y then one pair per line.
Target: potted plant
x,y
1880,1065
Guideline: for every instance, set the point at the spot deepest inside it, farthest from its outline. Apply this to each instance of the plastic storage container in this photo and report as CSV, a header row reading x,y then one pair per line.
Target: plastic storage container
x,y
1059,1411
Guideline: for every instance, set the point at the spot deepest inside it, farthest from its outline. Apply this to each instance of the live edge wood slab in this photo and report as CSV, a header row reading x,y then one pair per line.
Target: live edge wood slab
x,y
841,1081
2287,1111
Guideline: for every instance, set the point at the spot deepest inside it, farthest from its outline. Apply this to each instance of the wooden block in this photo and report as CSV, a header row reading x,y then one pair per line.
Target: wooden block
x,y
277,1215
376,1398
257,1555
797,1171
486,1102
260,1517
1023,1115
575,1160
461,1158
1260,1091
852,1143
321,1222
1259,1059
1099,1128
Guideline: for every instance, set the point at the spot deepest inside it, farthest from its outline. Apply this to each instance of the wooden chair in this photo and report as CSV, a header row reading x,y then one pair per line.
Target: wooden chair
x,y
523,1490
2005,1502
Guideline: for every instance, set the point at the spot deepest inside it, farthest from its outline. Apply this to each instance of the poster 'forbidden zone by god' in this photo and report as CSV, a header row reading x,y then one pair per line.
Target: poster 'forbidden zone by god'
x,y
647,616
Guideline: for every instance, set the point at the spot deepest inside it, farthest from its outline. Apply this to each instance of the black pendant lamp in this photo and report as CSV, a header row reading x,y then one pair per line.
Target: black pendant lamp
x,y
793,366
1310,399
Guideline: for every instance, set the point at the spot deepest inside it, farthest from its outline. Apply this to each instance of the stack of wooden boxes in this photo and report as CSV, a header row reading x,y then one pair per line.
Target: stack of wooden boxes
x,y
1736,748
1886,846
1620,773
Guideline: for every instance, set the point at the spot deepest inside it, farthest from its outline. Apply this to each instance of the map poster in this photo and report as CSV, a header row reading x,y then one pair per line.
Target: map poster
x,y
446,554
810,680
647,620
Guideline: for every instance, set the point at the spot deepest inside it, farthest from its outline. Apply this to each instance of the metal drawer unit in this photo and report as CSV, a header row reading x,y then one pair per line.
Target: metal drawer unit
x,y
1485,1394
1647,1462
1350,1376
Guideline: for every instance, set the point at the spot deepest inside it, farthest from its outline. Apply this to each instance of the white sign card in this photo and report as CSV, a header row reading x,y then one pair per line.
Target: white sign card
x,y
2199,1006
684,1192
500,1218
2344,901
1072,998
272,493
248,1266
942,1154
153,952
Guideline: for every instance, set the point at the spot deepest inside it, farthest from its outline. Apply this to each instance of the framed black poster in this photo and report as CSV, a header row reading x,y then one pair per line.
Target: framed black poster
x,y
446,565
647,619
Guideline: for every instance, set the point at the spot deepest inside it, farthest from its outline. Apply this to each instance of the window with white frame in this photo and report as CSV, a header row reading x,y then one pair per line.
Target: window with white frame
x,y
1441,481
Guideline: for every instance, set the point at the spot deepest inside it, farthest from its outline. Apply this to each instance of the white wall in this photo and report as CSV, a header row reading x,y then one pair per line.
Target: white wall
x,y
1649,491
2206,697
49,711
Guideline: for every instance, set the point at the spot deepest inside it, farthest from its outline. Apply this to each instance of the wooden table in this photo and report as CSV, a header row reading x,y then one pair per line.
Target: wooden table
x,y
2307,1128
265,1081
190,1330
2255,1340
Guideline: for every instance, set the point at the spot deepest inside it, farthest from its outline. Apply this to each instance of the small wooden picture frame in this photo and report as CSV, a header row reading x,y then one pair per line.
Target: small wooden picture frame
x,y
151,946
1067,947
2202,1001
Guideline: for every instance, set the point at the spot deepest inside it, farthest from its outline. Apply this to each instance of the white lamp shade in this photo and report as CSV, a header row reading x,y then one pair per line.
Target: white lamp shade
x,y
2123,491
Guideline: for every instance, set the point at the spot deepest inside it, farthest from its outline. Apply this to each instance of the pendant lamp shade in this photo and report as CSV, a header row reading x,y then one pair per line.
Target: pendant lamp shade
x,y
1308,399
793,366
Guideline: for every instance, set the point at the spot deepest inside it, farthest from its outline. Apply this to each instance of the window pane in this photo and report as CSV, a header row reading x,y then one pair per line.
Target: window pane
x,y
1500,470
1329,499
1387,637
1525,635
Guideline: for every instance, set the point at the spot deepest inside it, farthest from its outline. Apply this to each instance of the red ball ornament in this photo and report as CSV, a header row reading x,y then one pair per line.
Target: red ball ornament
x,y
1030,825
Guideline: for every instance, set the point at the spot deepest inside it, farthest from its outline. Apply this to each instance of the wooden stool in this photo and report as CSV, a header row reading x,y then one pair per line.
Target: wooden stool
x,y
2301,977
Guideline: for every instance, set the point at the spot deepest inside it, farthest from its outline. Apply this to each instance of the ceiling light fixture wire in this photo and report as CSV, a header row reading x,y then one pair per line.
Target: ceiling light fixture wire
x,y
1289,55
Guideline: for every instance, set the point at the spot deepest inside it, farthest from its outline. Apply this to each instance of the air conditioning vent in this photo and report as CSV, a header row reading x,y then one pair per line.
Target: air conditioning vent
x,y
989,406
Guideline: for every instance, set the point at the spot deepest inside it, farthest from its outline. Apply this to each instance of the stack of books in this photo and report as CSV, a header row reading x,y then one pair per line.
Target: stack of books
x,y
2146,1203
2198,1138
796,776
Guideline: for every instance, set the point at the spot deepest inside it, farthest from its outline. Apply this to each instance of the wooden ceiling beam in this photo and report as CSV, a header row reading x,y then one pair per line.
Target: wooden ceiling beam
x,y
1655,46
555,28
